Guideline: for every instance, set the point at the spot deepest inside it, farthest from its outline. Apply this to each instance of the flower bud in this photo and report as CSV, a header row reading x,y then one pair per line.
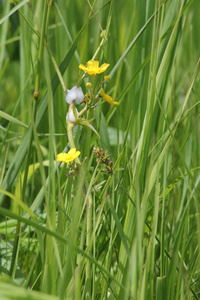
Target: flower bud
x,y
72,115
75,94
88,85
107,78
103,34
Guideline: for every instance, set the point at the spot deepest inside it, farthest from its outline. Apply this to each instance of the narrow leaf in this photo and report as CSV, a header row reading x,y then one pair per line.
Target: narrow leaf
x,y
12,119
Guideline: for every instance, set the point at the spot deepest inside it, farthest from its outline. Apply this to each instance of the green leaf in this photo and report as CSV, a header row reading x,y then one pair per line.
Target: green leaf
x,y
12,11
12,119
18,201
86,123
11,291
41,228
172,185
161,291
103,131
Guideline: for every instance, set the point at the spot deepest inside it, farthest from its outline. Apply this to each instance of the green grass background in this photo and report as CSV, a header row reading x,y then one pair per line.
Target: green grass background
x,y
144,237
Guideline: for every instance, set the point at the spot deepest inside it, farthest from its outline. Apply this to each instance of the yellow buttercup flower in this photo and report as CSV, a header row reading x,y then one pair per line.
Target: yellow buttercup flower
x,y
92,67
67,157
108,98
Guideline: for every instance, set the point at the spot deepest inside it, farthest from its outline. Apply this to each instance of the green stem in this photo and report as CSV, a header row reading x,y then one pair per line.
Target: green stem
x,y
46,45
162,244
40,55
56,68
88,241
83,110
70,127
16,248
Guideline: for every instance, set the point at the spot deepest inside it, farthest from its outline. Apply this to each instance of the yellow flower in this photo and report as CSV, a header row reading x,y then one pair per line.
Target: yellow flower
x,y
67,157
92,67
108,98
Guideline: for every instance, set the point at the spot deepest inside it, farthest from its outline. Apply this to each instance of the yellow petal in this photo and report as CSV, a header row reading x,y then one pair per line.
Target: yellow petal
x,y
91,71
82,67
92,67
72,156
72,151
108,98
103,68
67,157
77,154
92,63
115,103
61,156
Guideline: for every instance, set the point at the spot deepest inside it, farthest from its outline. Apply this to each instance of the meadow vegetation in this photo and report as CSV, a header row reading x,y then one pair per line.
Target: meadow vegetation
x,y
103,203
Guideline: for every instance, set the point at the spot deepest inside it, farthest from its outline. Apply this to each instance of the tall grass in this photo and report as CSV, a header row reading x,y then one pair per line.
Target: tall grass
x,y
84,231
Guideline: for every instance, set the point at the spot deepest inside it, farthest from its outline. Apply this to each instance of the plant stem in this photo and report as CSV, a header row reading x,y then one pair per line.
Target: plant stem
x,y
40,55
70,127
56,68
88,241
